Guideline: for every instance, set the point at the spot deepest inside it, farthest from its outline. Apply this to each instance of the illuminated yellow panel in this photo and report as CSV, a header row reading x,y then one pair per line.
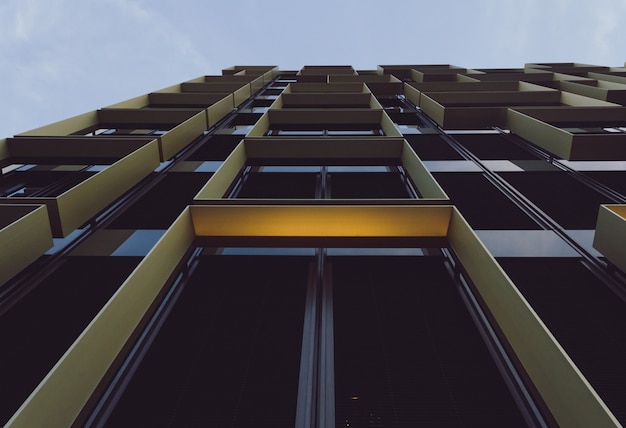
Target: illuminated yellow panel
x,y
321,221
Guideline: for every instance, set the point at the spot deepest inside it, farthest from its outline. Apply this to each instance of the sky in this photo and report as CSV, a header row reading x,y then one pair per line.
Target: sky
x,y
60,58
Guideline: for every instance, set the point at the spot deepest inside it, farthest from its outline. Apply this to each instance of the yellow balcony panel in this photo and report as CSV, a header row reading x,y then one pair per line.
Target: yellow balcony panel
x,y
570,398
365,78
380,85
406,71
310,119
59,398
188,99
24,236
39,149
610,236
321,221
256,81
613,76
327,70
605,91
573,133
77,205
323,87
4,151
326,100
485,109
572,68
530,75
144,117
302,150
181,135
212,87
268,72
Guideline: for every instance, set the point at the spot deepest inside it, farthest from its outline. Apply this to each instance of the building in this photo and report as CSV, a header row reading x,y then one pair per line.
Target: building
x,y
417,245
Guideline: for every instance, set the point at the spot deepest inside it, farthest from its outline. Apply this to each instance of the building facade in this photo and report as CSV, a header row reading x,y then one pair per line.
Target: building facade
x,y
416,245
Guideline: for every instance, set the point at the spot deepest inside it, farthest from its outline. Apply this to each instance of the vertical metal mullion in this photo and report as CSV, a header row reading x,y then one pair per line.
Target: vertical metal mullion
x,y
307,383
315,406
327,354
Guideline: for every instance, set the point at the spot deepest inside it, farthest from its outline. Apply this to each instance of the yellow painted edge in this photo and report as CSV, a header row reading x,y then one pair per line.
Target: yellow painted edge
x,y
180,136
412,94
610,235
220,109
423,179
389,128
576,100
79,204
543,134
4,149
261,126
24,240
225,175
61,395
137,102
66,126
570,398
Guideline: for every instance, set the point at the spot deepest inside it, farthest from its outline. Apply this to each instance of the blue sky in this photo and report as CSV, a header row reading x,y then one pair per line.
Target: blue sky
x,y
64,57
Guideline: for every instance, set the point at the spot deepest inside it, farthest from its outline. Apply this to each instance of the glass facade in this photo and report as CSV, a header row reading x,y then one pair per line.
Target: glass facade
x,y
408,246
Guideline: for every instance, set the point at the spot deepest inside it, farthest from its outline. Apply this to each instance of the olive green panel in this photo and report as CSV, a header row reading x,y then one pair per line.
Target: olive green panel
x,y
67,126
241,94
327,87
148,116
608,77
137,102
325,116
261,126
423,179
61,395
366,78
293,148
77,205
220,87
187,98
568,395
243,78
466,78
325,99
226,174
4,149
432,108
170,89
610,236
374,104
257,84
389,128
179,137
278,102
412,94
220,109
591,91
549,137
74,147
476,99
24,236
600,116
576,100
465,86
